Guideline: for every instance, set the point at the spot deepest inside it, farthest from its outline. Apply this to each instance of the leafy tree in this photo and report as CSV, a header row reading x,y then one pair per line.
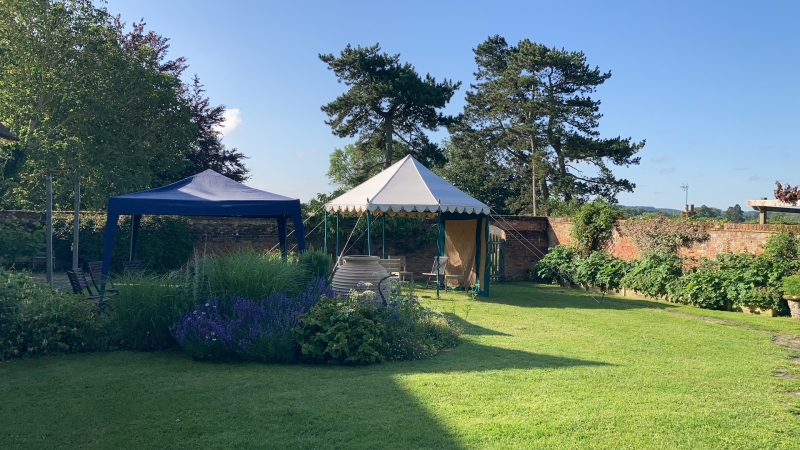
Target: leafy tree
x,y
207,150
734,214
387,102
82,106
707,212
477,171
532,106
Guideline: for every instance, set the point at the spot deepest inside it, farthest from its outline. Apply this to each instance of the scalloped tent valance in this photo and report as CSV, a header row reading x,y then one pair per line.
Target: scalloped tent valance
x,y
406,188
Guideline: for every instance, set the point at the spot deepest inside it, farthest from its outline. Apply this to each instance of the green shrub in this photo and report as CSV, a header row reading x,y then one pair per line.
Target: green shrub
x,y
358,329
761,297
38,320
344,330
704,287
593,225
316,263
783,247
600,270
791,285
145,309
653,274
20,238
558,266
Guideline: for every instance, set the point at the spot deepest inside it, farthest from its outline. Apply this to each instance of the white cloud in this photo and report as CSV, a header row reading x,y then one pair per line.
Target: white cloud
x,y
233,118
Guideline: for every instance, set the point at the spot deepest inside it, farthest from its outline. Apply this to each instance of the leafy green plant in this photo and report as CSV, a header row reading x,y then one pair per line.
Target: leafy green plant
x,y
600,270
20,238
593,225
344,330
791,285
38,320
316,263
557,266
359,329
653,274
147,306
761,297
704,287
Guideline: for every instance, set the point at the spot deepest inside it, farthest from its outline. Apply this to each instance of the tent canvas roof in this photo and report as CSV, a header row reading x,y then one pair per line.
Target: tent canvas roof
x,y
406,186
207,193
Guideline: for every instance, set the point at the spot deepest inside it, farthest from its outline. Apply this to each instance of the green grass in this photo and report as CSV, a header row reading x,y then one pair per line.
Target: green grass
x,y
537,368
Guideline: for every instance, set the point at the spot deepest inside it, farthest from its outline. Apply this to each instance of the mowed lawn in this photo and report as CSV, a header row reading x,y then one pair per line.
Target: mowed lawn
x,y
538,367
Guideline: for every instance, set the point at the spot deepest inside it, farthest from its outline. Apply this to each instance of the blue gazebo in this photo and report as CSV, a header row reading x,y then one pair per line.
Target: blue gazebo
x,y
205,194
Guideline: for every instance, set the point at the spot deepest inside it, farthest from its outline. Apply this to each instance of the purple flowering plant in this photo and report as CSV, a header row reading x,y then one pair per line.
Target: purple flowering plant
x,y
260,330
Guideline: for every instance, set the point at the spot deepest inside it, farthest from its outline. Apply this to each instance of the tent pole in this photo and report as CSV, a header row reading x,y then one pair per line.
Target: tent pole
x,y
383,234
137,218
438,248
49,219
338,214
369,233
325,240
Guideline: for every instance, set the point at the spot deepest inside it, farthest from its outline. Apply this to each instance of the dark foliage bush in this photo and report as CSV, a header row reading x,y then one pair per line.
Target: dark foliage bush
x,y
37,320
20,238
593,225
165,242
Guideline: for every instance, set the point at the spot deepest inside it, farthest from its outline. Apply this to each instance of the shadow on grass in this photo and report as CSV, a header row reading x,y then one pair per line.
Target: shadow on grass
x,y
473,357
471,329
165,400
530,295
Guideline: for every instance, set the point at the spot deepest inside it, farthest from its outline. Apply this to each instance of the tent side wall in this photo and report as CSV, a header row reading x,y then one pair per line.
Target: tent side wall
x,y
467,241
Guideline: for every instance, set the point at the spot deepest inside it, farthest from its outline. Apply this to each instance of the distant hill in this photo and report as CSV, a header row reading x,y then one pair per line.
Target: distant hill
x,y
710,213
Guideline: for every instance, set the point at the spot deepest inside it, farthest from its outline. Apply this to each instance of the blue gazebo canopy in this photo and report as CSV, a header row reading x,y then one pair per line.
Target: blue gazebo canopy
x,y
205,194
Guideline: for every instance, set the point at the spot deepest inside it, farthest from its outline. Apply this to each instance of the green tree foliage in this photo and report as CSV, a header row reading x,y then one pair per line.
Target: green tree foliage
x,y
707,212
734,214
89,100
388,103
531,106
593,225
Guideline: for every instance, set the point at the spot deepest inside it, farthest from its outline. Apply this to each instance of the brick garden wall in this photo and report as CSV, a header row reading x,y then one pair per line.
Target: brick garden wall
x,y
527,239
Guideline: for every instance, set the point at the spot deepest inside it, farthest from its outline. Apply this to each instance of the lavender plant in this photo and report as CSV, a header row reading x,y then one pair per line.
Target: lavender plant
x,y
260,330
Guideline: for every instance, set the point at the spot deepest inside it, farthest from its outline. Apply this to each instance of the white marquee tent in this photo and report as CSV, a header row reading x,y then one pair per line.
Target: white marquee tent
x,y
408,188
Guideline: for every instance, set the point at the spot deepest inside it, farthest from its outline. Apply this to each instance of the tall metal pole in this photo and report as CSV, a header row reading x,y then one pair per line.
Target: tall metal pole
x,y
76,224
369,233
338,214
49,219
383,237
325,240
438,248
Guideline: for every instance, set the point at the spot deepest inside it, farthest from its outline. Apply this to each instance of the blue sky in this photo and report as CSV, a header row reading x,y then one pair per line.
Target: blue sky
x,y
713,86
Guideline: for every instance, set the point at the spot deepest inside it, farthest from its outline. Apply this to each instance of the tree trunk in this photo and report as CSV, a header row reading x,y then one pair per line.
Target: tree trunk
x,y
533,173
389,126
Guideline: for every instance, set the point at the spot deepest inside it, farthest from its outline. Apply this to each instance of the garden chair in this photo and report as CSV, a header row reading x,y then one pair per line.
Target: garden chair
x,y
432,275
132,266
96,274
392,266
80,286
403,272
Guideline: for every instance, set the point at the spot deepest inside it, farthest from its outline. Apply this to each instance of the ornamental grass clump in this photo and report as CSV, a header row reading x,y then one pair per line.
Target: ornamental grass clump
x,y
257,330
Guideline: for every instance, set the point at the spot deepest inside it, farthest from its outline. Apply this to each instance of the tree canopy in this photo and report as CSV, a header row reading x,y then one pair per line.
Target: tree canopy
x,y
388,104
89,100
531,109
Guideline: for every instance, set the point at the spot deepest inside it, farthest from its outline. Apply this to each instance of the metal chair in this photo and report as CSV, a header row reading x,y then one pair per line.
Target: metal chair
x,y
434,274
80,286
96,274
132,266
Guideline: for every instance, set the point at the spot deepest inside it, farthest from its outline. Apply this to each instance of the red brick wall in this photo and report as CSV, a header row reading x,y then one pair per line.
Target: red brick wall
x,y
723,238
